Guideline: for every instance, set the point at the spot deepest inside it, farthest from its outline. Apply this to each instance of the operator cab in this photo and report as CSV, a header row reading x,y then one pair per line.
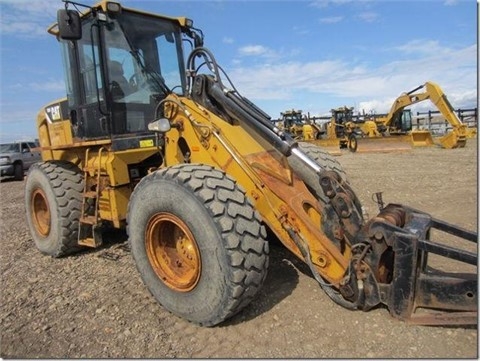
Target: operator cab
x,y
119,64
403,121
342,116
292,118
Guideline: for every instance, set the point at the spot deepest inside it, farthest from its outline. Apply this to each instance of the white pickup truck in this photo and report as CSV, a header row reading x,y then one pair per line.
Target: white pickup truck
x,y
17,157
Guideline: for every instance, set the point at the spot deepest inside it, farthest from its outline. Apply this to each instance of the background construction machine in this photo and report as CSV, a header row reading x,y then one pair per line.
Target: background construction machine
x,y
394,131
341,131
338,133
299,126
346,131
399,120
196,174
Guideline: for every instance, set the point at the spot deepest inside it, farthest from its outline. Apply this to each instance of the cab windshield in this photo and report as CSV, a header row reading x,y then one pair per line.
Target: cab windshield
x,y
146,51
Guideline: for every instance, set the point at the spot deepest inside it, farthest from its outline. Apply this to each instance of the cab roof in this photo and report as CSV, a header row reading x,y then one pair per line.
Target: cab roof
x,y
107,5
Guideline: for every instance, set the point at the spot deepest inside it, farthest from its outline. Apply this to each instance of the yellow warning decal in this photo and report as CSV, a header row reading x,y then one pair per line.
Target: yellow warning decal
x,y
146,143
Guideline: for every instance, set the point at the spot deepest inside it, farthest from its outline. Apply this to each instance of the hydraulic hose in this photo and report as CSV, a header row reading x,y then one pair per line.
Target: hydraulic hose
x,y
245,106
236,111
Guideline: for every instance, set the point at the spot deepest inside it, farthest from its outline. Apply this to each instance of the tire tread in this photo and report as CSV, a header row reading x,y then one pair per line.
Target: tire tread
x,y
66,181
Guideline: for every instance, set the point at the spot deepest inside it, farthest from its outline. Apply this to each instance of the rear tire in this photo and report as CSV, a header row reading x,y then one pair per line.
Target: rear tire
x,y
18,171
197,242
53,200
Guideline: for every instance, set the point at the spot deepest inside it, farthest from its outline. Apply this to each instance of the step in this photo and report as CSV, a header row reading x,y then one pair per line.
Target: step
x,y
90,194
93,170
89,220
89,242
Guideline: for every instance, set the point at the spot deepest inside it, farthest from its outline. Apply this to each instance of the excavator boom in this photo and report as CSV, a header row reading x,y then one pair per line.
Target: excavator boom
x,y
432,91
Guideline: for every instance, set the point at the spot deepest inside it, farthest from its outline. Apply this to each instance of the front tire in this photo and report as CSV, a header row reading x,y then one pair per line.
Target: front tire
x,y
197,242
53,200
352,143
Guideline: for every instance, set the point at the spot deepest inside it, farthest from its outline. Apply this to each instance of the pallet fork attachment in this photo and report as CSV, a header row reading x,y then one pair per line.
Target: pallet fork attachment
x,y
405,282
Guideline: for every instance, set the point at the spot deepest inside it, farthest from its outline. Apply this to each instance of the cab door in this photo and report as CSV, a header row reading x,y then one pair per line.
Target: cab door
x,y
88,108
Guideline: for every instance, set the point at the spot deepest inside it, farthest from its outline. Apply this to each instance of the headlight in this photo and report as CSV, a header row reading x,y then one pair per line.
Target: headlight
x,y
4,160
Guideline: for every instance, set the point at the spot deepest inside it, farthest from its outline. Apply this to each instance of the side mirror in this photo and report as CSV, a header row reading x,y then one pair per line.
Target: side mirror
x,y
69,24
161,125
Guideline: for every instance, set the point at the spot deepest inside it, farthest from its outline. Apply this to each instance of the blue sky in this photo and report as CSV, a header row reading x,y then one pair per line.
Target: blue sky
x,y
310,55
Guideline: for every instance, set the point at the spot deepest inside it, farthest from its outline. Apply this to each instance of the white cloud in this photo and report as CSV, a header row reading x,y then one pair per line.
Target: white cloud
x,y
254,50
375,106
264,81
331,19
227,40
421,46
450,2
368,17
27,18
36,7
373,88
257,51
321,4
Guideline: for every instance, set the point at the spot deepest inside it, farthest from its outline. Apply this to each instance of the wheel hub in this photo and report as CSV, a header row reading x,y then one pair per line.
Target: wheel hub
x,y
40,212
173,252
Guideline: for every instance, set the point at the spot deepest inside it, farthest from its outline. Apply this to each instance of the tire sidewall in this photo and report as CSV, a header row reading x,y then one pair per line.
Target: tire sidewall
x,y
352,143
37,179
198,305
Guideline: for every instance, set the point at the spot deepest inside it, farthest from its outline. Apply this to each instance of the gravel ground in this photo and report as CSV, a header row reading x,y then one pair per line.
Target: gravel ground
x,y
94,305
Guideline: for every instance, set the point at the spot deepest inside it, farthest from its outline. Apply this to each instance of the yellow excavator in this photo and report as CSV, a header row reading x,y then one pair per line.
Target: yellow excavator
x,y
398,121
153,139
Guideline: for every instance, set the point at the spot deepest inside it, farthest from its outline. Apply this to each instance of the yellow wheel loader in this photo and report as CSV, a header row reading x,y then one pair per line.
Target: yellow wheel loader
x,y
166,149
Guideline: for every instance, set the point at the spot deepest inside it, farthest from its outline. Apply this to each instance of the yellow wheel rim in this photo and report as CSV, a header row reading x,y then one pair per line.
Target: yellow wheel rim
x,y
40,212
173,252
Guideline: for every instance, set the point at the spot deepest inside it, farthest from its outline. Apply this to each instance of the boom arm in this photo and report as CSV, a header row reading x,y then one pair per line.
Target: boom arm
x,y
432,91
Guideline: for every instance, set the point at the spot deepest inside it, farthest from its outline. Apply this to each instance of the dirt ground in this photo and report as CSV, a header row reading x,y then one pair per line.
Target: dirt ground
x,y
94,305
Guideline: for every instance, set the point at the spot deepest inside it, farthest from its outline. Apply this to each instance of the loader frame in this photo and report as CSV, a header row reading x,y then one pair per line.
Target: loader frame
x,y
222,154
